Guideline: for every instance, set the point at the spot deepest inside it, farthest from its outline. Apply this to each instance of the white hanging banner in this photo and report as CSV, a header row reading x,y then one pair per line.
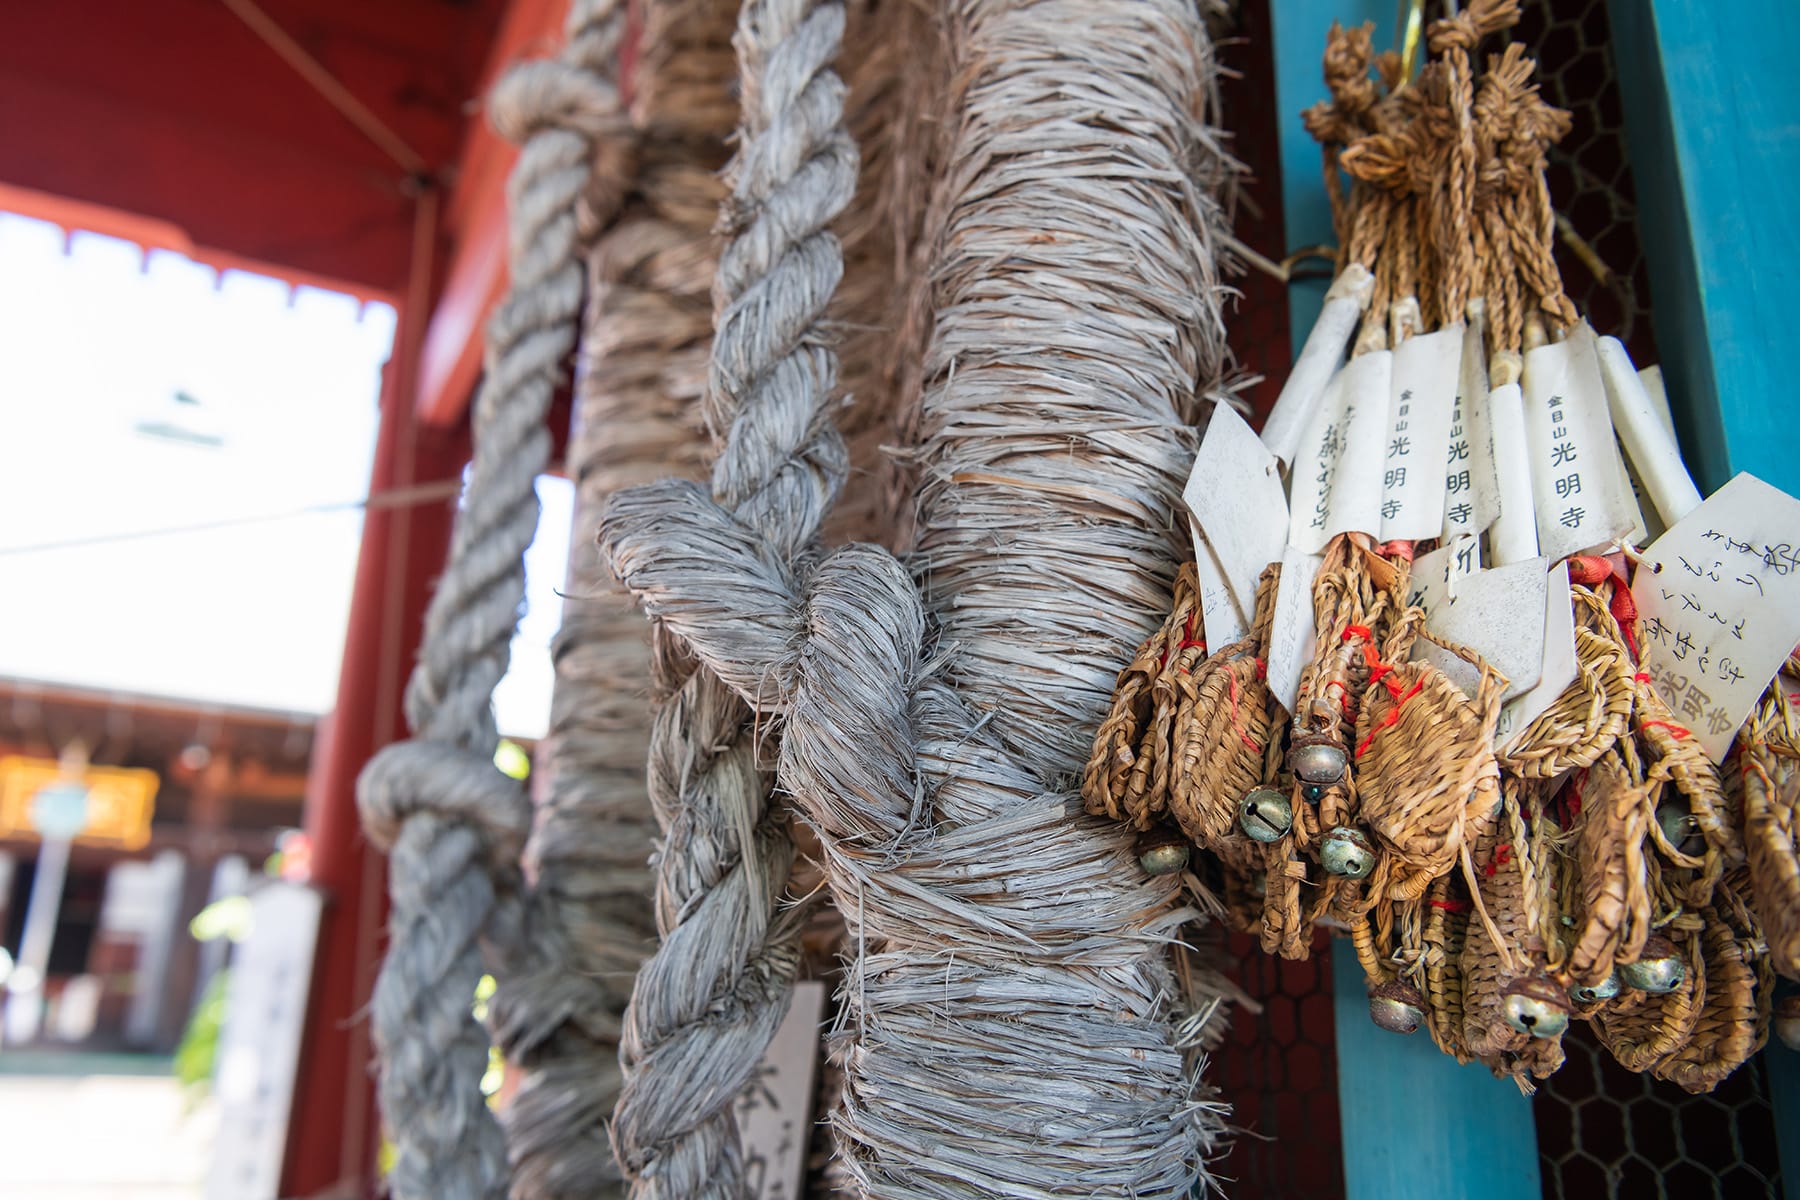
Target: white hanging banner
x,y
1304,390
1579,493
1337,476
1471,492
1718,598
1559,665
1235,493
1420,408
1291,635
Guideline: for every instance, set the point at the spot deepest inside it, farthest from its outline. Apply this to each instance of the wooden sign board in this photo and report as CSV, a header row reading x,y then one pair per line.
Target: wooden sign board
x,y
121,800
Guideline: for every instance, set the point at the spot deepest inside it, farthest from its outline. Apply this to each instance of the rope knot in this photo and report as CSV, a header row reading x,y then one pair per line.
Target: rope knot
x,y
450,782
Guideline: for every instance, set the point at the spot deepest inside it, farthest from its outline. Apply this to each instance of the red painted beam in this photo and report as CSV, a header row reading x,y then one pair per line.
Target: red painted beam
x,y
333,1133
450,364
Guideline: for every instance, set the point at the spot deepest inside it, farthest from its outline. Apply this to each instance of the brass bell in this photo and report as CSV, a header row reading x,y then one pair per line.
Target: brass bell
x,y
1787,1021
1317,759
1265,815
1161,851
1536,1006
1396,1007
1659,968
1606,989
1347,852
1680,827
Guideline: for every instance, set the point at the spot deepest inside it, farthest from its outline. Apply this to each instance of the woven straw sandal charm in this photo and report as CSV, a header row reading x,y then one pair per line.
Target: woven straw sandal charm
x,y
1769,771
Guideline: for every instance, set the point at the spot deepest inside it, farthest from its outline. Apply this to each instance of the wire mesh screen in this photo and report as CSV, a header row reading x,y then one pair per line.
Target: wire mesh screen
x,y
1279,1071
1604,1131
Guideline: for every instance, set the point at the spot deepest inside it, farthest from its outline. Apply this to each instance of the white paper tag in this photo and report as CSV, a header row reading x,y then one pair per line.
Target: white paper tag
x,y
1471,494
1559,659
1499,614
773,1111
1718,598
1578,493
1513,535
1422,399
1291,636
1435,576
1337,476
1324,349
1235,493
1219,613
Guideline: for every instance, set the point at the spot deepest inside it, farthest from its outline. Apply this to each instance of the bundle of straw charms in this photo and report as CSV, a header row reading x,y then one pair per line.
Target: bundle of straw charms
x,y
1593,864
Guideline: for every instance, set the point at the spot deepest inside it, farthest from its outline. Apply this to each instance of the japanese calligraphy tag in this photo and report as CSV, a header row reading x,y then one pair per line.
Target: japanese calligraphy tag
x,y
1719,601
1559,663
1421,405
1436,576
1337,474
1235,493
1291,633
1577,486
1471,493
1220,616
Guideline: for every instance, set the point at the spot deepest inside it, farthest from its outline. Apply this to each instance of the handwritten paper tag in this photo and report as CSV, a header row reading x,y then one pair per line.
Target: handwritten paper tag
x,y
1291,634
1471,491
1578,492
1559,667
1719,601
1235,493
1219,614
1420,409
1499,614
1337,476
1435,576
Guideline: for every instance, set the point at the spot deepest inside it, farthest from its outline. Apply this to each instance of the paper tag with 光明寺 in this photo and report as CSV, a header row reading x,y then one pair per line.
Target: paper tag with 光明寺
x,y
1292,635
1578,482
1235,494
1718,599
1559,665
1422,400
1337,471
1220,617
1471,493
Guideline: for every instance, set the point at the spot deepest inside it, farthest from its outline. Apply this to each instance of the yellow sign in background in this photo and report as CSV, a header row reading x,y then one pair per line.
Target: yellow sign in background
x,y
120,800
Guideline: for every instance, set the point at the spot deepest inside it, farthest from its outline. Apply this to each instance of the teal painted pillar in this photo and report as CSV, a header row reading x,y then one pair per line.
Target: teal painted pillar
x,y
1712,103
1416,1124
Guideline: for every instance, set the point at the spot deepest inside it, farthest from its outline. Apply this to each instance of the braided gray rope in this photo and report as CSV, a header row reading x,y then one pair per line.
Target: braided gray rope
x,y
707,1003
1008,1025
451,823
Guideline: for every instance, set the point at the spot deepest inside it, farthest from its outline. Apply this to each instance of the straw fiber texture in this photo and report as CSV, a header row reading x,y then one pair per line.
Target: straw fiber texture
x,y
589,919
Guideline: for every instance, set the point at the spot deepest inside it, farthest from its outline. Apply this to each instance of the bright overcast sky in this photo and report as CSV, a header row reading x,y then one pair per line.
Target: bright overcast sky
x,y
95,345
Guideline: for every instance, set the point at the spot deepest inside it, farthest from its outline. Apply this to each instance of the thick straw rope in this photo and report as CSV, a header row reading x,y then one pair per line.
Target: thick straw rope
x,y
644,349
1057,1072
451,823
706,1005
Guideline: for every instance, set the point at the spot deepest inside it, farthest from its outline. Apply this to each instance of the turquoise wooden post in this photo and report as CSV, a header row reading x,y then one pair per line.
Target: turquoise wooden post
x,y
1713,124
1416,1125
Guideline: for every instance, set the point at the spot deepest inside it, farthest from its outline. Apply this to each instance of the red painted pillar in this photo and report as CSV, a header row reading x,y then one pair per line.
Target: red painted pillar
x,y
333,1129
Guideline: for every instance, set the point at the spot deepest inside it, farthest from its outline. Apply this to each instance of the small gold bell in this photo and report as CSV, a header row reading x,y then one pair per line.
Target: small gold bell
x,y
1680,827
1347,852
1318,760
1536,1006
1787,1021
1161,851
1659,968
1606,989
1396,1007
1265,815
